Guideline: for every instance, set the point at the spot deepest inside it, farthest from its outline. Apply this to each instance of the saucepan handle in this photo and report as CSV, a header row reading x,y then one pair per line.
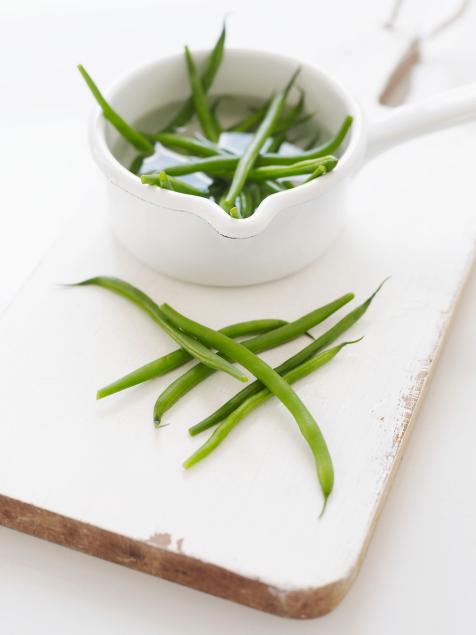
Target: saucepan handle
x,y
448,109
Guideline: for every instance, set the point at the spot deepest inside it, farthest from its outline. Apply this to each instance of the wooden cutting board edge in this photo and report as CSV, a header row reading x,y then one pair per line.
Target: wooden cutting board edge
x,y
178,567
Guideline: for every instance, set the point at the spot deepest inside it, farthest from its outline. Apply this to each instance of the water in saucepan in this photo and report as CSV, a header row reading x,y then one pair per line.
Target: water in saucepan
x,y
230,110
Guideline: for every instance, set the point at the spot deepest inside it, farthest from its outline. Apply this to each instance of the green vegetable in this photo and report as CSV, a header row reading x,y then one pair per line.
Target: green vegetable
x,y
252,198
167,182
287,121
250,121
136,164
131,135
249,156
327,148
212,165
306,353
223,165
211,68
183,384
274,382
189,144
179,357
270,187
226,426
324,164
192,346
310,145
234,211
319,171
205,116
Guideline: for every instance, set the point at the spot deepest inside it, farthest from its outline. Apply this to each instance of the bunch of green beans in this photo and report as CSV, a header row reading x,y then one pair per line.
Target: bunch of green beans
x,y
273,381
267,157
200,342
258,398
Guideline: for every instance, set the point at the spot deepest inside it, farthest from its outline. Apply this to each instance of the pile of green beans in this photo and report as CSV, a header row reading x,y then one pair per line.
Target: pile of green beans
x,y
220,350
237,182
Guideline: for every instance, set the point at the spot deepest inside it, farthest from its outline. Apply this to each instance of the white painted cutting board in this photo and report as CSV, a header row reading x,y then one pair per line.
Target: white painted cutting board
x,y
244,525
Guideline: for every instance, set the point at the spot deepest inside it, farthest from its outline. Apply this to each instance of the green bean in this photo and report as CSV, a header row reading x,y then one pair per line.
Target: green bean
x,y
303,167
276,142
136,164
171,361
214,112
287,185
304,119
270,187
312,142
140,299
198,373
306,353
249,156
289,119
274,382
207,121
213,165
216,189
250,121
319,171
226,426
131,135
179,357
327,148
167,182
234,212
254,195
216,104
219,165
245,203
189,144
212,65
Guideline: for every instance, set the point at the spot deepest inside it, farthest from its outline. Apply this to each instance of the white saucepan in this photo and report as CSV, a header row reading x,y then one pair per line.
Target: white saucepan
x,y
192,238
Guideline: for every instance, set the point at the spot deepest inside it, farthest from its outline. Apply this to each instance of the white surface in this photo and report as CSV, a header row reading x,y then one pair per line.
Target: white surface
x,y
246,521
419,572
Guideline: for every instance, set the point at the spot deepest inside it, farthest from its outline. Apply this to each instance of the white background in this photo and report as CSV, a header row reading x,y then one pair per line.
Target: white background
x,y
419,575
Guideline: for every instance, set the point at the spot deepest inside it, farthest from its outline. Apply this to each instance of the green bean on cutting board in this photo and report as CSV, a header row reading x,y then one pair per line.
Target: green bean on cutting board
x,y
195,375
303,355
274,382
134,137
226,426
198,341
191,345
179,357
204,114
211,68
171,361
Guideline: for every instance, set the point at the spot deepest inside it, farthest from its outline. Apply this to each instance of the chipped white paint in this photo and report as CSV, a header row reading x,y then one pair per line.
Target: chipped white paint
x,y
253,507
